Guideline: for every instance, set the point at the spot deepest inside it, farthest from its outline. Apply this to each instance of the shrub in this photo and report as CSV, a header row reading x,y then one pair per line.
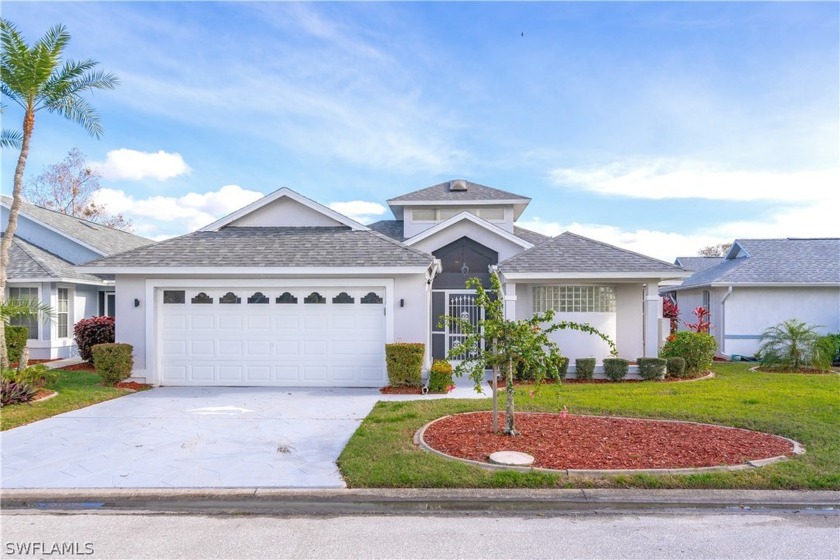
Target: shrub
x,y
835,341
95,330
562,365
585,368
616,368
652,368
404,362
790,346
696,348
16,338
675,366
13,392
37,375
440,377
113,361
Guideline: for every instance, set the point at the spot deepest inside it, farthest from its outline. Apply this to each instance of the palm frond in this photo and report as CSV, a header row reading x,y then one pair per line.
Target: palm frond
x,y
11,139
54,40
78,110
15,308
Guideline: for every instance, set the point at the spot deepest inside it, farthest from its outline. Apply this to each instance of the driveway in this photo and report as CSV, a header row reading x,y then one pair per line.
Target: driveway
x,y
191,437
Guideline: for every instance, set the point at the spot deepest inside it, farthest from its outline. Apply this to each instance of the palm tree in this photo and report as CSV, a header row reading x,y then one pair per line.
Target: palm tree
x,y
789,346
36,79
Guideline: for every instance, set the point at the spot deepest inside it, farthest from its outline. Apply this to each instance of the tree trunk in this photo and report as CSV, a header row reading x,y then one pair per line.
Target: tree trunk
x,y
8,235
510,428
495,391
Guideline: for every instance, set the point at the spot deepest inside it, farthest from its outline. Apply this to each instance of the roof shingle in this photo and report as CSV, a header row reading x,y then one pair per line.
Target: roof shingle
x,y
29,262
441,192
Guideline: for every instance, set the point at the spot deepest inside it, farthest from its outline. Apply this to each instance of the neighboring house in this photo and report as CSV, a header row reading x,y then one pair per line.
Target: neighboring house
x,y
45,248
288,292
759,284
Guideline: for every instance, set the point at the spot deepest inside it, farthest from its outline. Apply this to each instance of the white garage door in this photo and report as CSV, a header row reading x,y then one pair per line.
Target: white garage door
x,y
304,337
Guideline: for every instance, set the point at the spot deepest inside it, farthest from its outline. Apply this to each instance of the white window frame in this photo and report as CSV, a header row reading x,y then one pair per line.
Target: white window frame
x,y
443,213
574,299
37,320
71,295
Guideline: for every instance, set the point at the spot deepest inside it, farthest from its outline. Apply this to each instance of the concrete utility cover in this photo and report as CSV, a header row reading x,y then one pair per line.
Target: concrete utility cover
x,y
511,458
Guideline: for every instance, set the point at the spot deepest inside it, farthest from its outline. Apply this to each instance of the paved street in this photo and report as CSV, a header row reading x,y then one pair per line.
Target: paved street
x,y
667,536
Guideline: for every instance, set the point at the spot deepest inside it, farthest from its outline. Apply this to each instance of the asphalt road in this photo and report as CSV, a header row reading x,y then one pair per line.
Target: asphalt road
x,y
127,535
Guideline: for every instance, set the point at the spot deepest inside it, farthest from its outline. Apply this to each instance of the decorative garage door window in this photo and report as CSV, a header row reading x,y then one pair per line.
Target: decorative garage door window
x,y
286,297
201,297
230,297
258,297
371,297
174,296
314,297
343,297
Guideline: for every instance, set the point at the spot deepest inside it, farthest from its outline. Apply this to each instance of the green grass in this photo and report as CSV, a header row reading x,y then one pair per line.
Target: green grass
x,y
76,389
802,407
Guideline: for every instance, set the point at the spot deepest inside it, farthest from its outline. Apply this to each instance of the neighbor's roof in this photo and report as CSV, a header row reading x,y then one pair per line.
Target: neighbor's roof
x,y
394,230
103,239
271,247
572,254
696,264
442,193
30,262
774,261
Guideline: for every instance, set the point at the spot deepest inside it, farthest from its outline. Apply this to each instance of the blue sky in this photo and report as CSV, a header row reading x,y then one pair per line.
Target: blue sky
x,y
660,127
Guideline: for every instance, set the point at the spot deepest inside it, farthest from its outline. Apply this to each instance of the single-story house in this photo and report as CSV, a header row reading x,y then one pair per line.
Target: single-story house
x,y
761,283
44,250
287,292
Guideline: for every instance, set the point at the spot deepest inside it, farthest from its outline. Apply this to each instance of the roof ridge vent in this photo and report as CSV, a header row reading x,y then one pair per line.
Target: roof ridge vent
x,y
458,185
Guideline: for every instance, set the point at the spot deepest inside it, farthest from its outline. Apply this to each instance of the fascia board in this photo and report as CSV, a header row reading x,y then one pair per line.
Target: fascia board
x,y
289,193
477,202
588,275
42,279
58,231
461,216
255,271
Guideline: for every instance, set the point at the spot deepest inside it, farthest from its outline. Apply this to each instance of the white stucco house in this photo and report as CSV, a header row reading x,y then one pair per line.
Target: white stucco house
x,y
46,247
287,292
761,283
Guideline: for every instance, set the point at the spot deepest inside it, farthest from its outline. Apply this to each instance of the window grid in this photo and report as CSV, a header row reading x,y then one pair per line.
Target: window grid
x,y
63,313
574,299
30,322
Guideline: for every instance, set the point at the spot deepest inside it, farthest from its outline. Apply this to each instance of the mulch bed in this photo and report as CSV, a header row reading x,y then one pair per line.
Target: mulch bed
x,y
132,385
84,366
596,381
590,442
388,390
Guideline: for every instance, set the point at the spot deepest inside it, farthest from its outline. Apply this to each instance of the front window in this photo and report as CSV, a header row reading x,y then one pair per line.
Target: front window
x,y
31,321
574,299
490,213
63,314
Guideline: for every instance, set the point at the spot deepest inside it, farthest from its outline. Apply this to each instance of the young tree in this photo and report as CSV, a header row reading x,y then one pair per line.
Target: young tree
x,y
719,250
35,78
502,344
68,187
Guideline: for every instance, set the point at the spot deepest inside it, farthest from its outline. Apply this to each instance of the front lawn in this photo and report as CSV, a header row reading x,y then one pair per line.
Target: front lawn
x,y
802,407
76,389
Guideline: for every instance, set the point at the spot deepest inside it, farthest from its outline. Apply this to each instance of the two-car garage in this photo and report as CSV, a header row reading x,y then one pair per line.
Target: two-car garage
x,y
300,335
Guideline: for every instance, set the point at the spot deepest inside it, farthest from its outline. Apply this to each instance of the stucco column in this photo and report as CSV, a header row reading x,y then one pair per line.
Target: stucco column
x,y
653,313
510,301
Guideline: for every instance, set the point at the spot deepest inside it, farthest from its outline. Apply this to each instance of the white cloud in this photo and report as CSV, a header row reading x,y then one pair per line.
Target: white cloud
x,y
159,217
133,165
669,179
359,210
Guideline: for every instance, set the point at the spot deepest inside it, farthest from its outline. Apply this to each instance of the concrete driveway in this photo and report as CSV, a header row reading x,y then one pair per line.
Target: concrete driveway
x,y
191,437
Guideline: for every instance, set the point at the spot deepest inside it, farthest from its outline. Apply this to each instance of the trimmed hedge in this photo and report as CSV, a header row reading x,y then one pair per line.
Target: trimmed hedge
x,y
404,361
616,368
698,350
113,361
585,368
16,338
91,331
562,364
651,368
676,367
440,377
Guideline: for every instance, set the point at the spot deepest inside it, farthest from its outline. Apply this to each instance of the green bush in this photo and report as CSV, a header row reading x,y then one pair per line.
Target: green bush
x,y
93,330
652,368
16,338
13,392
585,368
37,375
791,346
404,361
562,365
835,341
113,361
697,349
440,377
616,368
827,351
675,366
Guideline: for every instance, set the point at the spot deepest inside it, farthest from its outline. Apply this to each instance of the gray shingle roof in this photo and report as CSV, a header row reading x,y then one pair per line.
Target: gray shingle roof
x,y
570,253
394,230
441,192
28,261
696,264
771,261
104,239
270,247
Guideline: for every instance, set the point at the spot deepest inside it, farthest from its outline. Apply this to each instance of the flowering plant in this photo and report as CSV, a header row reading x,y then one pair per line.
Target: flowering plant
x,y
703,324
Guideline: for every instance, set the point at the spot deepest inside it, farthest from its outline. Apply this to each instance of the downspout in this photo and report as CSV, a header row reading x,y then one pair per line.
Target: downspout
x,y
723,319
431,272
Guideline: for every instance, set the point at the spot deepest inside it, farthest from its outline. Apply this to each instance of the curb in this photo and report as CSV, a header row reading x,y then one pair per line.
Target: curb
x,y
273,501
797,450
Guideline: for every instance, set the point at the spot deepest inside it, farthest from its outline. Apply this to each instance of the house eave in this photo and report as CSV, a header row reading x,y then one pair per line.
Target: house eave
x,y
757,285
255,271
553,276
60,280
466,216
56,230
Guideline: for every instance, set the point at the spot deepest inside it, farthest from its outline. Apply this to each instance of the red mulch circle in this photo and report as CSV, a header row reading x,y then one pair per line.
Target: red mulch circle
x,y
133,385
388,390
592,442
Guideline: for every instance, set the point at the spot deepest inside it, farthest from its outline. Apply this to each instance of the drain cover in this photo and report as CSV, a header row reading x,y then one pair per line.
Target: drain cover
x,y
511,458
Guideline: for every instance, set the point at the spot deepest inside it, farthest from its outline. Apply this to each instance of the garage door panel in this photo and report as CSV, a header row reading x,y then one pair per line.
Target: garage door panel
x,y
337,343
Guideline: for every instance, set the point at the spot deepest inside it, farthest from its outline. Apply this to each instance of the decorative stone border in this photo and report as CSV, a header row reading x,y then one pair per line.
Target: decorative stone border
x,y
46,398
798,449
